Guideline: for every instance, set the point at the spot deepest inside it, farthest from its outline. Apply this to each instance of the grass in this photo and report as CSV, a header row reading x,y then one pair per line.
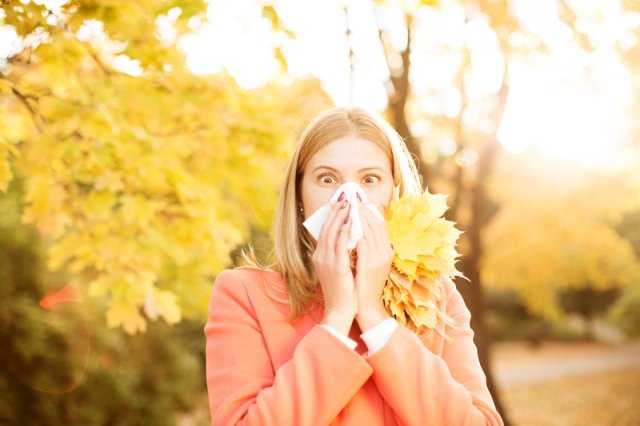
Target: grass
x,y
602,399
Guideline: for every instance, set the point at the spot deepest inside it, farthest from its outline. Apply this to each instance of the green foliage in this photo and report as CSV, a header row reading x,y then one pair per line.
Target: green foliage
x,y
629,229
507,318
60,364
626,312
588,302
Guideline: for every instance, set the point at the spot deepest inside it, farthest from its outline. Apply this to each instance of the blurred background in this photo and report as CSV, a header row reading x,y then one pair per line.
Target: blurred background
x,y
142,145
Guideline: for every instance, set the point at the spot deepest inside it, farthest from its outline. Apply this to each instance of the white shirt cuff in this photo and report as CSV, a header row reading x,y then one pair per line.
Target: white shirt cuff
x,y
377,336
344,339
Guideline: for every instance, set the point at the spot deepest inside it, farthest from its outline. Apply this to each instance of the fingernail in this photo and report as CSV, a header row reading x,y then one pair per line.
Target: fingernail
x,y
341,196
344,204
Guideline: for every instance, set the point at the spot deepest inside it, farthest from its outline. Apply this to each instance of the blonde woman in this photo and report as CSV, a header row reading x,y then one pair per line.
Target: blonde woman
x,y
309,341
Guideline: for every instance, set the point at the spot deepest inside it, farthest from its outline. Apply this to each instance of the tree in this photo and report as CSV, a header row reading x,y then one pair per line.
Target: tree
x,y
451,125
588,304
130,161
461,173
437,101
626,311
61,365
556,233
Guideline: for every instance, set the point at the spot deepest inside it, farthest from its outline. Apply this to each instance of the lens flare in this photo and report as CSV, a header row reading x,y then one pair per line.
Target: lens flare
x,y
62,308
67,294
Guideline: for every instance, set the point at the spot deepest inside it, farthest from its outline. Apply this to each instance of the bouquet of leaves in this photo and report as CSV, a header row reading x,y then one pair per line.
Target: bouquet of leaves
x,y
424,245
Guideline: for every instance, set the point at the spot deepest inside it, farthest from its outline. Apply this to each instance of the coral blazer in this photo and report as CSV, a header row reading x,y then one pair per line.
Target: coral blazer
x,y
265,369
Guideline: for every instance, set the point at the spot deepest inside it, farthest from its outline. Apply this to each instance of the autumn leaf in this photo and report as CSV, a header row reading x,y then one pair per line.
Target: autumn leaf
x,y
424,254
141,186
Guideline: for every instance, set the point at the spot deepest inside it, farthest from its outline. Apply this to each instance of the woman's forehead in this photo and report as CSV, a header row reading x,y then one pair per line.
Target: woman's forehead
x,y
350,151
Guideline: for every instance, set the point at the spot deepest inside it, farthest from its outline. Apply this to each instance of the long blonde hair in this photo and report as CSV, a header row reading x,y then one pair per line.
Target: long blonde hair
x,y
293,245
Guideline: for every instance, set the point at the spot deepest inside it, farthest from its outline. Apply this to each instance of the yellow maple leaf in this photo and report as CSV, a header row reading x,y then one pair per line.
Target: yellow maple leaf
x,y
5,86
122,313
424,252
162,304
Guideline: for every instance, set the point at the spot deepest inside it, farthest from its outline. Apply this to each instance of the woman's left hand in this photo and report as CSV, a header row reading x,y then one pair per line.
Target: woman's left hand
x,y
372,269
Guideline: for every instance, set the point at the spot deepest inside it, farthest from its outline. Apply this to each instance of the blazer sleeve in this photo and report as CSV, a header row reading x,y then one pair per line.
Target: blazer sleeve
x,y
243,388
424,388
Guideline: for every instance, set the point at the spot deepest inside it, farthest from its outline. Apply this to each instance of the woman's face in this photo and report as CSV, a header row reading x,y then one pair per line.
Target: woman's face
x,y
349,159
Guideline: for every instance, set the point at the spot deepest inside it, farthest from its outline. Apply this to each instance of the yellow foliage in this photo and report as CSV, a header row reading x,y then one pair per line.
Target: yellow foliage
x,y
424,255
162,304
143,185
556,230
5,87
125,315
46,201
15,126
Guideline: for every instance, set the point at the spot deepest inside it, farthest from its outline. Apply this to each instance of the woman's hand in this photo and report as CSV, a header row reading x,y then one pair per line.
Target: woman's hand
x,y
372,269
332,266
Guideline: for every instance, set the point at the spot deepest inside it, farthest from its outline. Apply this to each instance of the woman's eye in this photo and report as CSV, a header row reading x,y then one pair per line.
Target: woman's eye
x,y
371,179
326,179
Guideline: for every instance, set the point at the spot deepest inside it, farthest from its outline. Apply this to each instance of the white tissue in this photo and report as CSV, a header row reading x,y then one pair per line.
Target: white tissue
x,y
317,219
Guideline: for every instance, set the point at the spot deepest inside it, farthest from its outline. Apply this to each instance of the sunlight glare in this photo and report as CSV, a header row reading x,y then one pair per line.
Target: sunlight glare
x,y
571,121
10,42
129,66
237,37
570,102
541,18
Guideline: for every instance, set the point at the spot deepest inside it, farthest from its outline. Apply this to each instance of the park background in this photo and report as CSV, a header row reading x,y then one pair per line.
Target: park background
x,y
142,144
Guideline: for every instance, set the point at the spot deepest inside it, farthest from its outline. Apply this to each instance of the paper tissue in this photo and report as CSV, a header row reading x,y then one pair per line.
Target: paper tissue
x,y
316,220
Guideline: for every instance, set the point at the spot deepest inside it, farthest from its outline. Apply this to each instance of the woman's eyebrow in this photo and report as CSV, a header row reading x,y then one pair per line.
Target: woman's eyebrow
x,y
368,169
324,167
362,170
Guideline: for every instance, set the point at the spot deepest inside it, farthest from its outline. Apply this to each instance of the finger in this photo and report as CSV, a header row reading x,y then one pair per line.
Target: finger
x,y
376,218
330,217
334,225
326,255
363,251
367,228
368,245
378,227
378,234
321,253
342,244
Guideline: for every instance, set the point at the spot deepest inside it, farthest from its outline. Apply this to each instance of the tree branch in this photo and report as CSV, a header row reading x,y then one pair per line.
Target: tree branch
x,y
24,100
397,100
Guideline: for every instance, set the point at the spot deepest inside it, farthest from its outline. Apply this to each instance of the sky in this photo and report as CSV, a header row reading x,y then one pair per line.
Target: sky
x,y
567,102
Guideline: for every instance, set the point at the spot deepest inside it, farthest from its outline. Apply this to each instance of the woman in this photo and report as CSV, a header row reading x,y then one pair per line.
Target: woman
x,y
309,342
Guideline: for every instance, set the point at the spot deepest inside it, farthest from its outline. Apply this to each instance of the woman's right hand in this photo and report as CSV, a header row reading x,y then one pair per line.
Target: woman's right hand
x,y
333,270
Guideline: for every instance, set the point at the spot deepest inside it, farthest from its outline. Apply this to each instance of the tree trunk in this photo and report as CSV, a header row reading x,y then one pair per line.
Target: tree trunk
x,y
473,292
481,212
398,102
589,329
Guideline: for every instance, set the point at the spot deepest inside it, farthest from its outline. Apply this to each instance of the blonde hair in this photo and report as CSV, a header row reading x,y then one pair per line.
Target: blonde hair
x,y
293,245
